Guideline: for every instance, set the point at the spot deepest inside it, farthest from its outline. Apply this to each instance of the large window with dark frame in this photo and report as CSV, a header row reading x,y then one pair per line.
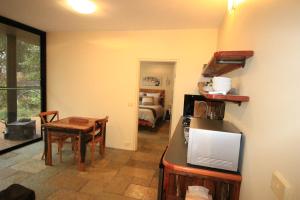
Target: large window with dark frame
x,y
22,83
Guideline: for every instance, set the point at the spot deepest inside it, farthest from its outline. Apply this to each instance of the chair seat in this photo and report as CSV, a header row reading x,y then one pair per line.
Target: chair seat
x,y
97,135
96,139
56,137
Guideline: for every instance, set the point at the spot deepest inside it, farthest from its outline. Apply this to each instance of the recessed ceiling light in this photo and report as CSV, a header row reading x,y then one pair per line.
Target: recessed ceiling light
x,y
83,6
233,4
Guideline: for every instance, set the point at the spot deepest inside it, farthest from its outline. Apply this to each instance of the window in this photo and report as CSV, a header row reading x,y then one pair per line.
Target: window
x,y
22,83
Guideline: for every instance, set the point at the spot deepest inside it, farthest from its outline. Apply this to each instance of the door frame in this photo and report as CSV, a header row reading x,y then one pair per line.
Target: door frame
x,y
175,61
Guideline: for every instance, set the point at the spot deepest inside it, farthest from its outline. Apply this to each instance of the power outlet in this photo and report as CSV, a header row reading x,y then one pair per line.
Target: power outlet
x,y
280,186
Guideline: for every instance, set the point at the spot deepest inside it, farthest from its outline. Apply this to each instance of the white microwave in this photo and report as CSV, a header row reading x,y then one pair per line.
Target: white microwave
x,y
215,144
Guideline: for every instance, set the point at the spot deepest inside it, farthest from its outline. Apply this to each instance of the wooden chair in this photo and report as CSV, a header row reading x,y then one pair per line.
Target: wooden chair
x,y
98,136
47,117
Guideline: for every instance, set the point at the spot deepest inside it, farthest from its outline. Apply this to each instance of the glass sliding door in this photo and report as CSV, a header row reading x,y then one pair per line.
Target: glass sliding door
x,y
3,93
28,78
22,84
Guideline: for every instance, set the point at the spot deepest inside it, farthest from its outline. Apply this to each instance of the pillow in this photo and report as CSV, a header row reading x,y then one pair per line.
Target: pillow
x,y
156,97
156,100
142,94
147,101
153,94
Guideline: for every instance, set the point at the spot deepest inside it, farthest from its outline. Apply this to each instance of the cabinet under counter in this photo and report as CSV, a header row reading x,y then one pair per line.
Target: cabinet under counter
x,y
178,175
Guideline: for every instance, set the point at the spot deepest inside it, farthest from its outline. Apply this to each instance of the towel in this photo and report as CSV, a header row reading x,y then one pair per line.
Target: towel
x,y
197,193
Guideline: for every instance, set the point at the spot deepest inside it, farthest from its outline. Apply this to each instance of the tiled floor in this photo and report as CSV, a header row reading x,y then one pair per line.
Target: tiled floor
x,y
124,175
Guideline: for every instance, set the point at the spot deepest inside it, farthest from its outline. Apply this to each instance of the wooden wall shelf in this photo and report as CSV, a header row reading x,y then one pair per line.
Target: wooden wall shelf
x,y
220,97
229,97
226,61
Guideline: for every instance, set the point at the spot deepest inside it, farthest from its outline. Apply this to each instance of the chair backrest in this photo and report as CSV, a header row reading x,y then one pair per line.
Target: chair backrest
x,y
52,115
100,125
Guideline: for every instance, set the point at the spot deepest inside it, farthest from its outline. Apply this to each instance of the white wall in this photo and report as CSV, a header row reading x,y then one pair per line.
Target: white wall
x,y
163,70
271,78
97,73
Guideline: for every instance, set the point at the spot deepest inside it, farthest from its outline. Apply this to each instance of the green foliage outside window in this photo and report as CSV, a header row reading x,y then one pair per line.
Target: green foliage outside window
x,y
3,105
28,75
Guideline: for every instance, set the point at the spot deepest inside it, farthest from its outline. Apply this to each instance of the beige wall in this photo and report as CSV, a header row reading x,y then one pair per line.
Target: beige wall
x,y
271,78
97,73
163,70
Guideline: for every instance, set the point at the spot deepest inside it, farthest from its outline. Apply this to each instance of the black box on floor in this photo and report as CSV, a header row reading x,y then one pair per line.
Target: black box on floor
x,y
17,192
20,130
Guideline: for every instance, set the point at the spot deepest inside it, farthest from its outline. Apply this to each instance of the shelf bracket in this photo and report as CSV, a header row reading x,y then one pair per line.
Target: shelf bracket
x,y
240,62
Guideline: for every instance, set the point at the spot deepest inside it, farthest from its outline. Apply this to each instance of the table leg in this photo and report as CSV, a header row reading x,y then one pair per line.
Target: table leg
x,y
82,150
104,140
45,138
48,151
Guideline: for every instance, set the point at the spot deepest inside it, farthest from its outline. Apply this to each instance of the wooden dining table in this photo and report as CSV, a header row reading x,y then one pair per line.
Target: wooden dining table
x,y
70,126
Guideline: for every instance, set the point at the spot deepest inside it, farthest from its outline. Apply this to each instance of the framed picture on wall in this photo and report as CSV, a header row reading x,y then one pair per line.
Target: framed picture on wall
x,y
151,81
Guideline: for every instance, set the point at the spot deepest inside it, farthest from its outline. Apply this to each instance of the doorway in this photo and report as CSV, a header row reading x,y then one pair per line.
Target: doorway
x,y
156,87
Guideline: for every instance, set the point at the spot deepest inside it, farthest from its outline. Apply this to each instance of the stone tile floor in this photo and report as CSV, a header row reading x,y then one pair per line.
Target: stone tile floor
x,y
120,174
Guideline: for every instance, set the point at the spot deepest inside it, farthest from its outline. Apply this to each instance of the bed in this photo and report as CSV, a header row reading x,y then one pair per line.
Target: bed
x,y
151,112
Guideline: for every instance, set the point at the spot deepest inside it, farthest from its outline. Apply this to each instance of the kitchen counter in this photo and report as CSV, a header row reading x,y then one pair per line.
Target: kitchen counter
x,y
178,174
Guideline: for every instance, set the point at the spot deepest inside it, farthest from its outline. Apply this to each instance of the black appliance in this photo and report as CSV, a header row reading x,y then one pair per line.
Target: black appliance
x,y
189,103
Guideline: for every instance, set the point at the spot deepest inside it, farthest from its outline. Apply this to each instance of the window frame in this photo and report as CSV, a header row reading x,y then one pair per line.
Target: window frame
x,y
43,75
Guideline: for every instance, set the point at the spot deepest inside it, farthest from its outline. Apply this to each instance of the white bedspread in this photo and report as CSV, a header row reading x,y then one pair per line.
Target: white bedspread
x,y
146,114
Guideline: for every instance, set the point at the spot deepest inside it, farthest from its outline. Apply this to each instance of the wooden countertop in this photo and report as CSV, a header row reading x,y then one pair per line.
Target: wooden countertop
x,y
175,158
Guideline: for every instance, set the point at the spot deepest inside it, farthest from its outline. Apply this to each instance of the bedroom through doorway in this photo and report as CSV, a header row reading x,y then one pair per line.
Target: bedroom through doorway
x,y
156,88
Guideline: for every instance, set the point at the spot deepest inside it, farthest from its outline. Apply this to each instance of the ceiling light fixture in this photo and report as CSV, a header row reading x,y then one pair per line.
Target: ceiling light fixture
x,y
83,6
233,4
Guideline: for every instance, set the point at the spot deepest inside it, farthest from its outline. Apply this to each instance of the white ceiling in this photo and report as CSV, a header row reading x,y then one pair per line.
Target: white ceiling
x,y
55,15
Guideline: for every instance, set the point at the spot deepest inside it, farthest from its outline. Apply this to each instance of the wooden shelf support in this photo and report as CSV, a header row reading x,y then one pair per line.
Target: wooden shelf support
x,y
224,62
